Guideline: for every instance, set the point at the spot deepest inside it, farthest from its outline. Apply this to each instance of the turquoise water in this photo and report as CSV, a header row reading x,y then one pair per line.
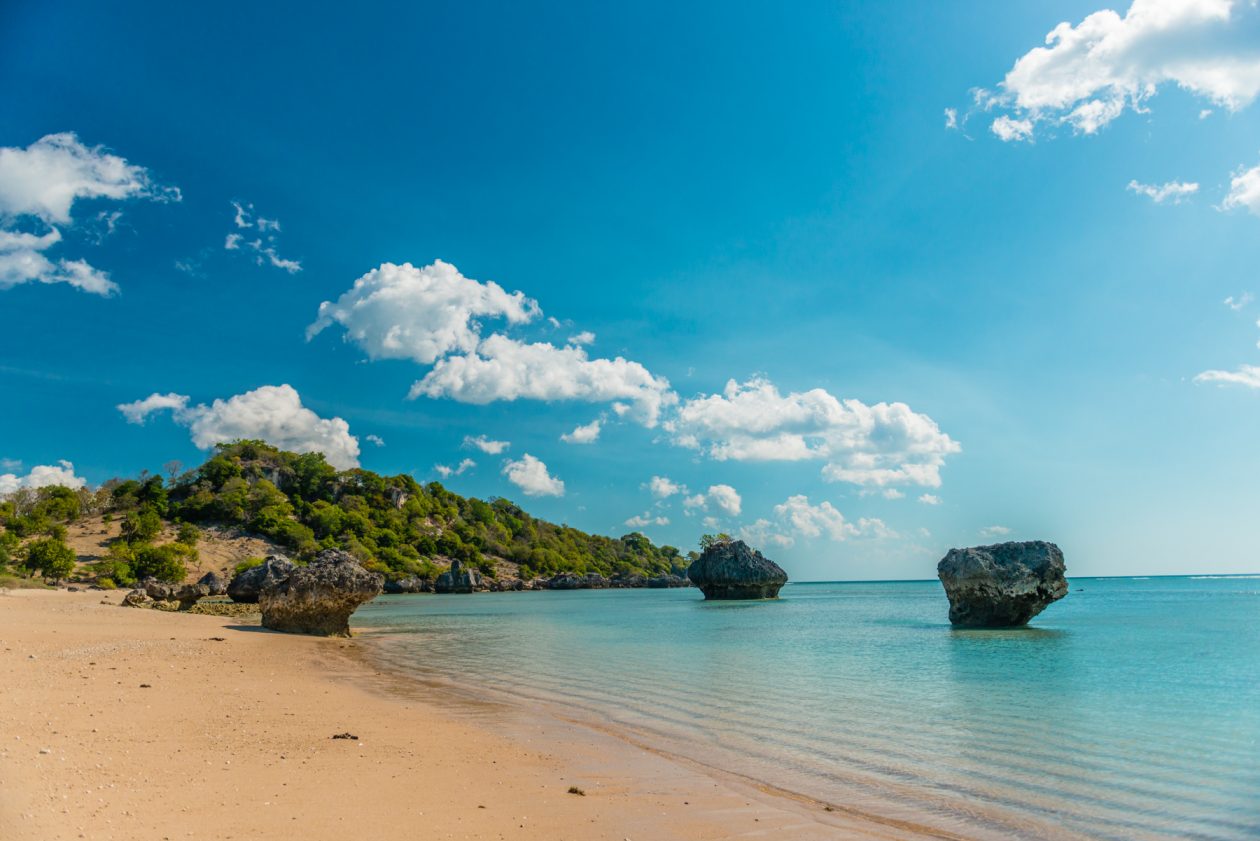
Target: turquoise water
x,y
1131,709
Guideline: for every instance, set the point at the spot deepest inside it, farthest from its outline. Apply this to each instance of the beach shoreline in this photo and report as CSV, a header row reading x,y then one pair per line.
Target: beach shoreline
x,y
138,724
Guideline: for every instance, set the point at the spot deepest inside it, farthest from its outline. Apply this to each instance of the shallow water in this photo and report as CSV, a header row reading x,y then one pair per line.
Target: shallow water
x,y
1131,709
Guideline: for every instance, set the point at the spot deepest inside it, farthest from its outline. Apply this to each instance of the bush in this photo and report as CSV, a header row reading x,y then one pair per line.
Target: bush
x,y
141,525
165,563
248,563
50,557
188,534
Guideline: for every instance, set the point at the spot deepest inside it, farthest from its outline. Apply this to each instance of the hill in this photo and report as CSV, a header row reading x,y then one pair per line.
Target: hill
x,y
249,497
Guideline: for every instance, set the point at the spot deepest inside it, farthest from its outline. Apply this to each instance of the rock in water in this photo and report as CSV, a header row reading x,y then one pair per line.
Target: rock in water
x,y
457,579
1003,585
246,586
731,570
319,598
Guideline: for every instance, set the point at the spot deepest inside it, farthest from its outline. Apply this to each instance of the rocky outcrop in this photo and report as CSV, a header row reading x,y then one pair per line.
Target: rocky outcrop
x,y
174,596
657,582
730,569
247,586
1003,585
215,583
458,579
137,598
409,584
319,597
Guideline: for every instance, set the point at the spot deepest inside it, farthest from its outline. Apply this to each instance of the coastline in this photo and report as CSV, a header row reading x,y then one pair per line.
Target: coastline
x,y
137,724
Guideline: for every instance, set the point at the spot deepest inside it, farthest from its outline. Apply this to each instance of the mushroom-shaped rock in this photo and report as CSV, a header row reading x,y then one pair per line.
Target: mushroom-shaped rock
x,y
319,598
1003,585
730,569
246,586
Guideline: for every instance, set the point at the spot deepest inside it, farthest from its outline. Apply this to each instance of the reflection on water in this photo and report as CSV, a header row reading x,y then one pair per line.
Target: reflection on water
x,y
1129,710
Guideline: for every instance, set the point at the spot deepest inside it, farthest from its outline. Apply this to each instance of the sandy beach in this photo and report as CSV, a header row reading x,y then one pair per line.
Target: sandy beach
x,y
138,724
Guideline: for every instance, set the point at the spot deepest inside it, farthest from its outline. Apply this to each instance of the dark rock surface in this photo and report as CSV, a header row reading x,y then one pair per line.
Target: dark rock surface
x,y
216,583
178,596
732,570
458,579
657,582
137,598
247,586
319,597
409,584
1003,585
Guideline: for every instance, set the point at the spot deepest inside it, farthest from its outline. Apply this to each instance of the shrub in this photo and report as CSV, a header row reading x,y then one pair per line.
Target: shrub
x,y
165,563
50,557
248,563
141,525
188,534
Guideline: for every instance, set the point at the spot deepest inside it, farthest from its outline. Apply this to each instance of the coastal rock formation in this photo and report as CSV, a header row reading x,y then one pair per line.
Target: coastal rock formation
x,y
137,598
319,597
174,596
1003,585
729,569
457,579
247,586
215,583
409,584
657,582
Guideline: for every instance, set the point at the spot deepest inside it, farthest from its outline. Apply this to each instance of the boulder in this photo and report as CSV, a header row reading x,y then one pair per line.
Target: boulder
x,y
409,584
182,596
657,582
730,569
245,587
137,598
319,597
565,581
1003,585
457,579
216,583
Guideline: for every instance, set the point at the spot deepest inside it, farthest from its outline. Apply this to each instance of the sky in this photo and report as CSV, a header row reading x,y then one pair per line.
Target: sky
x,y
858,283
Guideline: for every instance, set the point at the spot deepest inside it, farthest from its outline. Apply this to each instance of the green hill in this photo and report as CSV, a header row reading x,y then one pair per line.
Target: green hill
x,y
393,524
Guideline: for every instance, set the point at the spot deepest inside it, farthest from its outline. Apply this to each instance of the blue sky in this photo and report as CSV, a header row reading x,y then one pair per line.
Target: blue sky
x,y
988,309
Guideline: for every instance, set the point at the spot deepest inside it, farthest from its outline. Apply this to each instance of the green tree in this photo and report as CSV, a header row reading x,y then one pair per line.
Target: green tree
x,y
165,563
50,557
188,534
141,525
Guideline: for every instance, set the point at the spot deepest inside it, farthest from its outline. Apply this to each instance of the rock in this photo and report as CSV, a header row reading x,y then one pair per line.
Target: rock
x,y
137,598
1003,585
246,586
215,583
656,582
457,579
182,596
565,581
319,598
729,569
410,584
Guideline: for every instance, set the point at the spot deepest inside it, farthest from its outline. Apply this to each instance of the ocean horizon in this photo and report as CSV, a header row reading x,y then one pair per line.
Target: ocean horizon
x,y
1130,709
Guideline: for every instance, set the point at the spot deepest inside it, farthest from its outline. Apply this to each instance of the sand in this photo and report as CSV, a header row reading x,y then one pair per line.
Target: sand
x,y
118,723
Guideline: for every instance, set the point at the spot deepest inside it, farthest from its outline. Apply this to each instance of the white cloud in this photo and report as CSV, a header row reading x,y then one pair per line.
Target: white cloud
x,y
1244,191
1175,190
501,368
1012,130
264,242
930,499
892,493
584,433
375,440
881,445
274,414
9,465
646,519
1239,302
763,533
1089,74
662,487
485,444
697,501
531,476
41,476
42,183
586,337
446,471
422,314
951,118
726,498
814,520
1246,375
994,531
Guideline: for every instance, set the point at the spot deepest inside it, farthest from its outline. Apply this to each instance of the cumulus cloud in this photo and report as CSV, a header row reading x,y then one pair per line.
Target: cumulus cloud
x,y
584,433
1175,190
39,186
725,498
586,337
814,520
994,531
1090,73
663,487
646,519
485,444
1244,191
930,499
422,314
501,368
762,532
42,476
446,471
260,238
274,414
1247,376
881,445
531,476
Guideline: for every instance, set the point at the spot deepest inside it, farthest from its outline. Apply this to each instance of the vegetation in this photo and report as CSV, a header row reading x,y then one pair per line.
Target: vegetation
x,y
394,525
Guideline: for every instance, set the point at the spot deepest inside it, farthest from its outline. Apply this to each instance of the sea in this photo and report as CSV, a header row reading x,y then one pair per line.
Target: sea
x,y
1128,710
